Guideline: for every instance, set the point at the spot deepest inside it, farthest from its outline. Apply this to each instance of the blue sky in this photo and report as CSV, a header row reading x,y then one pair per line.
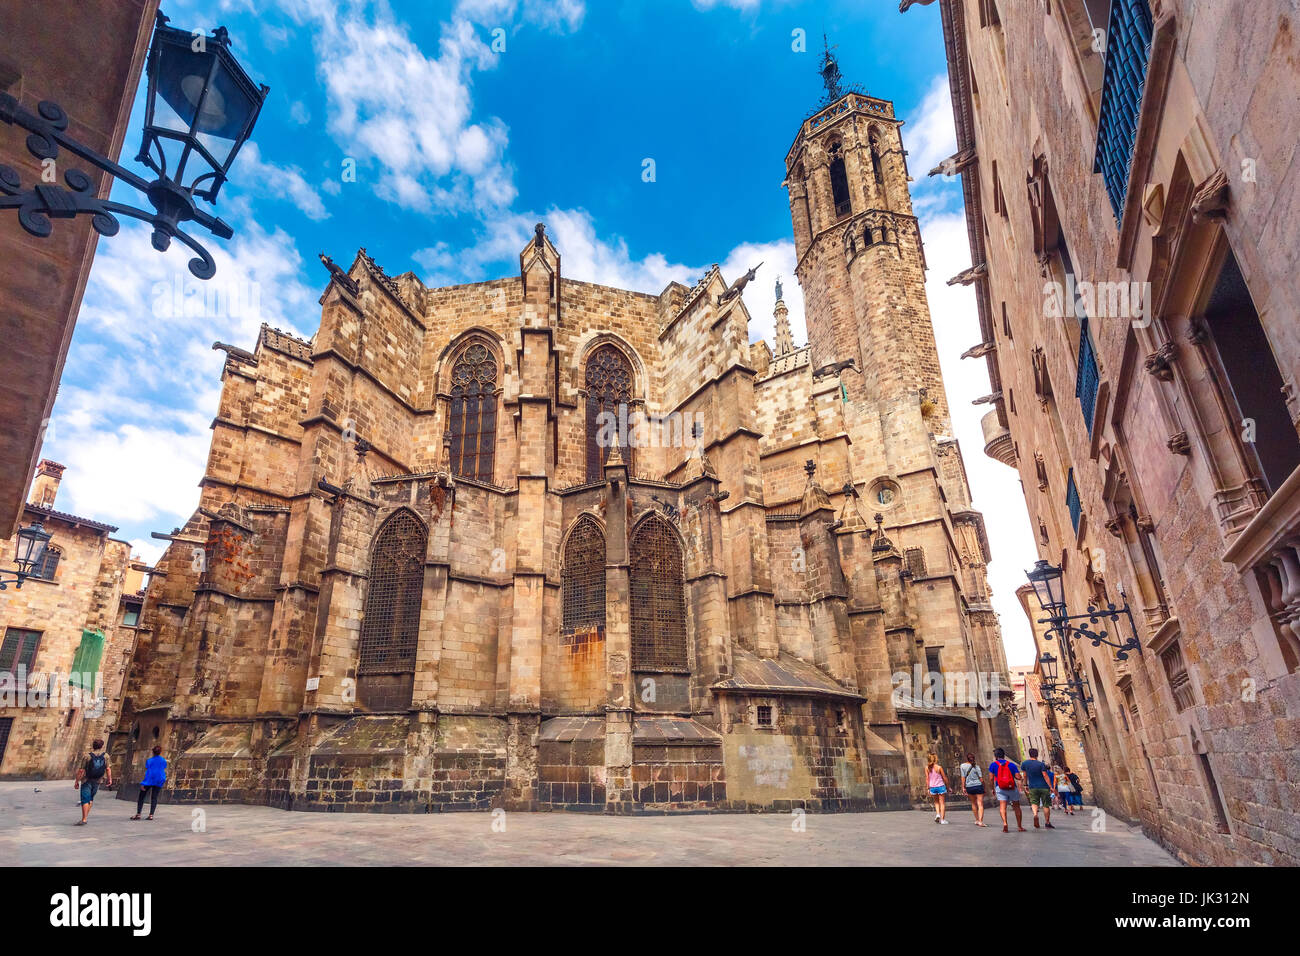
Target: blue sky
x,y
458,149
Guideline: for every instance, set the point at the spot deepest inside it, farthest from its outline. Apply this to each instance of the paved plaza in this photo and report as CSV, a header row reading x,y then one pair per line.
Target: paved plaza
x,y
38,829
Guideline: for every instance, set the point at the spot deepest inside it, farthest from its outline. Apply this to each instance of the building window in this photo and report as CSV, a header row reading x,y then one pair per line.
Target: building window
x,y
1128,44
131,615
6,724
839,184
876,170
1216,800
1253,379
609,393
1180,682
49,564
1072,501
1087,380
658,599
86,661
18,650
584,582
916,562
391,624
764,715
473,424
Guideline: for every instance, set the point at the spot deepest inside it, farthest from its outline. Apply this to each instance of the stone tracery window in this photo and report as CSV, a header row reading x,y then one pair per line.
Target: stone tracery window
x,y
657,598
391,625
609,389
473,420
584,582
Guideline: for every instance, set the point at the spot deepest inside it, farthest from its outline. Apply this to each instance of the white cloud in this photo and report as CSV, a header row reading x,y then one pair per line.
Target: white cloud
x,y
410,114
133,415
267,179
299,113
931,137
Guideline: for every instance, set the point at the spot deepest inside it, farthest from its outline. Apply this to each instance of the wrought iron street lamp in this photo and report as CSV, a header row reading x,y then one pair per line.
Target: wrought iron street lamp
x,y
1050,591
199,110
1048,663
29,553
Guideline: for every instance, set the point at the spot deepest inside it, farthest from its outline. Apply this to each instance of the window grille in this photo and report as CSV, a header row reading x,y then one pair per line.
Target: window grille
x,y
764,715
6,723
584,580
473,422
609,389
1128,45
391,625
49,564
658,599
916,562
1086,384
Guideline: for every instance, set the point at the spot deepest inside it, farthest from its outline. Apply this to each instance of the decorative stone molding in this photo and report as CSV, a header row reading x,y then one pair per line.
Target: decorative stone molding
x,y
1179,444
1198,333
1115,525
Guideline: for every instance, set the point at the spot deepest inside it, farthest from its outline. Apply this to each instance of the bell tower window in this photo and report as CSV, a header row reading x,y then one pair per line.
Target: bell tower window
x,y
839,184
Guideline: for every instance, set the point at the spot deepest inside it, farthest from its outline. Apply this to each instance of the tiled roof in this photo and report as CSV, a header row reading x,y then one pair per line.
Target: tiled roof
x,y
672,730
70,518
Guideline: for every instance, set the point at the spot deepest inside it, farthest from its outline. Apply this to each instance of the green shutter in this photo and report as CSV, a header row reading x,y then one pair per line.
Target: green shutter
x,y
85,664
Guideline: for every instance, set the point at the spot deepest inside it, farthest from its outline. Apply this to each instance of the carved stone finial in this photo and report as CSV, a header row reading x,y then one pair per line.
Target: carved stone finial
x,y
810,467
540,231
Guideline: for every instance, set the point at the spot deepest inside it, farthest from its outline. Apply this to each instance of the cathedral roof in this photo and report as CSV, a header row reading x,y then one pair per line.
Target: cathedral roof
x,y
784,675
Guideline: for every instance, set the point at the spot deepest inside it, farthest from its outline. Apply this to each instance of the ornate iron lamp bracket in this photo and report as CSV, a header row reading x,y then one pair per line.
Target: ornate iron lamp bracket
x,y
1061,626
41,203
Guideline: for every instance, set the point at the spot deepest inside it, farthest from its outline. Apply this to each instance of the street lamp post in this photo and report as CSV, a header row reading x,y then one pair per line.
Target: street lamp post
x,y
28,555
199,110
1050,591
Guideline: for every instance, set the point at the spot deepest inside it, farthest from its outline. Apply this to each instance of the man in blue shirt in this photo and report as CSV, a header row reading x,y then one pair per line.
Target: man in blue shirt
x,y
1039,787
1005,774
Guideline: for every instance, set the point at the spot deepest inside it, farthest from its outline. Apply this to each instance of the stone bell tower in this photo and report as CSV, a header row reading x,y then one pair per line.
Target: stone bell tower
x,y
860,260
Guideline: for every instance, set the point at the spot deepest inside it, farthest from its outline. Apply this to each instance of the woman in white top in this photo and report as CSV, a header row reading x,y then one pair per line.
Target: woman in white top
x,y
1064,788
972,778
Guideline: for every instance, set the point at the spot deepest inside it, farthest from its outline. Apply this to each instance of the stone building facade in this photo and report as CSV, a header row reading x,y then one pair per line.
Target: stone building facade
x,y
1130,182
66,637
426,574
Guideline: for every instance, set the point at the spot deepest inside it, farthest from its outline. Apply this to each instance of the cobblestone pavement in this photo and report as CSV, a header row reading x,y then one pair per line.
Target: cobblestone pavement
x,y
38,828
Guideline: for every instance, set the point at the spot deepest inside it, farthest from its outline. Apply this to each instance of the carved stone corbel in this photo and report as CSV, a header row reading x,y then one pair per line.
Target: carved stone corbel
x,y
1198,333
1115,525
1179,444
1160,362
1211,200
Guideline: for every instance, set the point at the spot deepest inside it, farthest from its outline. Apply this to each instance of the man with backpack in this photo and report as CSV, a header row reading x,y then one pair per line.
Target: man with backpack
x,y
1038,784
1005,775
90,775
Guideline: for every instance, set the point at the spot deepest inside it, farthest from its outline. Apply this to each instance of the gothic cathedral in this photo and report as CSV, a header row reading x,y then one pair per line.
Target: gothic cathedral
x,y
537,543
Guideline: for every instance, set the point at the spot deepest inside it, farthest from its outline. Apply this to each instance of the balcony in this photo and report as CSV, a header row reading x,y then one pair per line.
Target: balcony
x,y
997,439
1128,47
1088,379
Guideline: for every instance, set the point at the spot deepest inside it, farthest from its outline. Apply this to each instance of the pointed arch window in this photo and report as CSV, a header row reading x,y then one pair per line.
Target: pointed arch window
x,y
584,583
609,389
657,599
839,183
876,169
390,627
473,423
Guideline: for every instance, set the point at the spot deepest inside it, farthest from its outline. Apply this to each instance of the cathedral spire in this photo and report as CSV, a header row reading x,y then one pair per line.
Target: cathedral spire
x,y
830,72
784,340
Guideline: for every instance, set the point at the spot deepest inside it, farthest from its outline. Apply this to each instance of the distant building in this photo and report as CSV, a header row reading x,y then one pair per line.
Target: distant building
x,y
66,637
1131,189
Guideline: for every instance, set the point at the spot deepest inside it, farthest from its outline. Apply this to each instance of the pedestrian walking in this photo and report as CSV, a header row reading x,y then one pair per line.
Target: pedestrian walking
x,y
90,775
155,778
1076,798
937,781
972,778
1064,790
1005,775
1038,786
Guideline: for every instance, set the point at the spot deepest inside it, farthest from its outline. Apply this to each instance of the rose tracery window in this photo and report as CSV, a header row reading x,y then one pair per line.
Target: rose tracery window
x,y
390,627
473,423
657,599
609,389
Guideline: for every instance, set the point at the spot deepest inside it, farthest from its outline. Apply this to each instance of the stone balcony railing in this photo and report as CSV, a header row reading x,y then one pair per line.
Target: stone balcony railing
x,y
1270,546
997,440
